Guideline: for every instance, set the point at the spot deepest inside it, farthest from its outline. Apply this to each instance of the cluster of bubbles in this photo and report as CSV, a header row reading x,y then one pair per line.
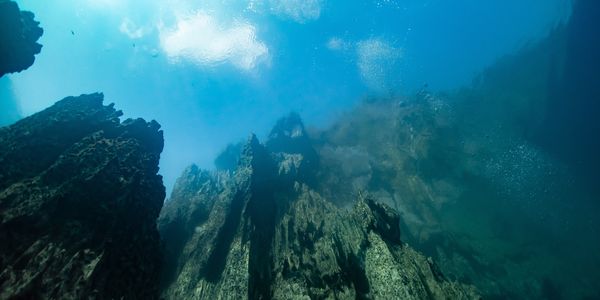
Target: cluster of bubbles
x,y
529,179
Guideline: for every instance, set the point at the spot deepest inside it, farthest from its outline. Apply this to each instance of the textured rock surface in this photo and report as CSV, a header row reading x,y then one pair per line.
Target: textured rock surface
x,y
262,233
79,198
19,33
475,187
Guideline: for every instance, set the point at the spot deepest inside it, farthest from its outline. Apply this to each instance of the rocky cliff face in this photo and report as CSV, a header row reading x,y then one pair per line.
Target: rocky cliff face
x,y
79,198
19,33
475,188
263,232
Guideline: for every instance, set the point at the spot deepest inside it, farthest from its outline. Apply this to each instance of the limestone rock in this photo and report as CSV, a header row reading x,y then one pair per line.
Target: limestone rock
x,y
289,137
263,233
79,198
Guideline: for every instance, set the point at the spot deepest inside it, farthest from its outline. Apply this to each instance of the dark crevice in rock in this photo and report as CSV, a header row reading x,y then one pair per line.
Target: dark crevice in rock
x,y
174,236
261,213
353,268
217,259
386,221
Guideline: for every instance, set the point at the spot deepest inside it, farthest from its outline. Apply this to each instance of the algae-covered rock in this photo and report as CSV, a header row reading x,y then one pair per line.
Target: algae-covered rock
x,y
79,198
264,233
19,33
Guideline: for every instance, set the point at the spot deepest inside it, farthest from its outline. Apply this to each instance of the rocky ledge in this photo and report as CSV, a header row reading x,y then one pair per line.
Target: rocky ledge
x,y
19,33
79,199
263,232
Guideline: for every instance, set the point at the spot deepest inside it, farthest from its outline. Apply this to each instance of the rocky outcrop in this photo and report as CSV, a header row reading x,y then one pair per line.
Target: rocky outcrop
x,y
289,138
79,198
474,188
19,33
262,232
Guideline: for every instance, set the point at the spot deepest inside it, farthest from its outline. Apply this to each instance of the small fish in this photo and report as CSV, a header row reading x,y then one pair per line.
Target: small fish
x,y
72,32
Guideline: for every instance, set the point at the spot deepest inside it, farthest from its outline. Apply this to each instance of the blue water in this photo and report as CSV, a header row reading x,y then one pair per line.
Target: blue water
x,y
316,57
521,78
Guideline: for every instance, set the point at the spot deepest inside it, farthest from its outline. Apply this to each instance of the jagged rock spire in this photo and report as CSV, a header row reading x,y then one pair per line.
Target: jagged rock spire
x,y
269,235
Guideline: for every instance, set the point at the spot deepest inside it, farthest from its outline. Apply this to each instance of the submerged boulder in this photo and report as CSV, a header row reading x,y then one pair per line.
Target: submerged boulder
x,y
79,199
261,232
19,33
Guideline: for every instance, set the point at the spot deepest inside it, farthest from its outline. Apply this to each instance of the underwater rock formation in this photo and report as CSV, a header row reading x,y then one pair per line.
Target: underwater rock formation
x,y
481,175
79,199
19,33
261,232
571,124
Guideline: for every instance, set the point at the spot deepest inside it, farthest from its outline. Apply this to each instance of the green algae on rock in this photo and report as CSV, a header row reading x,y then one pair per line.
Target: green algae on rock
x,y
261,232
